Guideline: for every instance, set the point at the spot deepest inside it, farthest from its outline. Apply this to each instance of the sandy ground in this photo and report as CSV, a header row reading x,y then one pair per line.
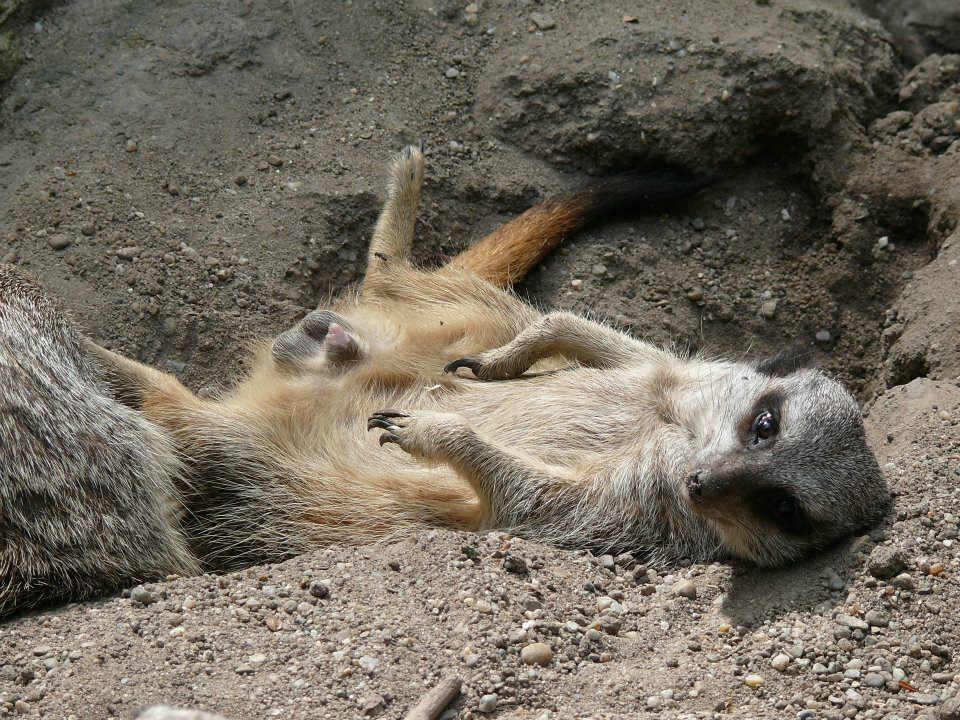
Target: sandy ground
x,y
191,176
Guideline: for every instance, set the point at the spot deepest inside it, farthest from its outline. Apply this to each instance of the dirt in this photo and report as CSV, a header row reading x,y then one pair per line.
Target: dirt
x,y
190,177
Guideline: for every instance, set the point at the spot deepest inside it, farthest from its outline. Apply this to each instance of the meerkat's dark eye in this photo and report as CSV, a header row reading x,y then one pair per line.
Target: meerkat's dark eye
x,y
765,426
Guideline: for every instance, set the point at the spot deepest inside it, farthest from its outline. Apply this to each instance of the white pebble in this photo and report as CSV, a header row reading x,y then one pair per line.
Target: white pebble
x,y
780,662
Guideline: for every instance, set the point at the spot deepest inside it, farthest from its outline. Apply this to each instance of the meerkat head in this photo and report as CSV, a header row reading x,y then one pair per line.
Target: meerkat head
x,y
785,468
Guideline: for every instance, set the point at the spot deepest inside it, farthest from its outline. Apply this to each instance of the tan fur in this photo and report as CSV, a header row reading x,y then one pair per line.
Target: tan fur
x,y
592,449
506,255
565,431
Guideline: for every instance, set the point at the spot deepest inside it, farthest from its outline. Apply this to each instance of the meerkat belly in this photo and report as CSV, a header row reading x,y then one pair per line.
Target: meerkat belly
x,y
566,418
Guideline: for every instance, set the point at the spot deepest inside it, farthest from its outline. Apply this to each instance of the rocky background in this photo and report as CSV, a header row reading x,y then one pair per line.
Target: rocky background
x,y
191,176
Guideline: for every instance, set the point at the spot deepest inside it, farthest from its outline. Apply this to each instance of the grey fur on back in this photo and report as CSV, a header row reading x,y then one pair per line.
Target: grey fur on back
x,y
87,496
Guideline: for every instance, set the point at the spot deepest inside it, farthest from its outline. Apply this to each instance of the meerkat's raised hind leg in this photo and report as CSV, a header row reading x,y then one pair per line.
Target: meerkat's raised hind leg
x,y
558,333
393,234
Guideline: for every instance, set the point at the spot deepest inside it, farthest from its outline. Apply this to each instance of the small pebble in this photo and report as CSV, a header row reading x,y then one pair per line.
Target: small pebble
x,y
452,73
129,253
834,581
886,561
853,623
369,664
59,242
141,595
753,681
88,229
543,22
132,146
488,703
768,309
274,160
780,662
823,336
59,173
883,242
903,581
371,704
576,284
685,588
515,564
536,654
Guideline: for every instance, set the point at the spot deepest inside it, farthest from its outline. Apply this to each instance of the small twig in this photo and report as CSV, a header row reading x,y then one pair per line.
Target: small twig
x,y
436,699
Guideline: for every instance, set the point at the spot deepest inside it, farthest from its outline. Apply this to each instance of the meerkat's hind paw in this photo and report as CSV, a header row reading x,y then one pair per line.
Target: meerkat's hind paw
x,y
408,167
321,334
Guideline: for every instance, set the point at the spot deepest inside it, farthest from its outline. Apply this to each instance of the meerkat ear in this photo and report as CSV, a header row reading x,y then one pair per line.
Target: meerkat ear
x,y
134,384
785,362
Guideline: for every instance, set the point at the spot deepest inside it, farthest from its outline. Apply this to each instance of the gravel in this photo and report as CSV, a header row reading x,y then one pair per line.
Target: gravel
x,y
187,264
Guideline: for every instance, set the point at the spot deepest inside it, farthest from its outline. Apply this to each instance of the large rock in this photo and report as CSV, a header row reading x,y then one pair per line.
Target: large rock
x,y
666,83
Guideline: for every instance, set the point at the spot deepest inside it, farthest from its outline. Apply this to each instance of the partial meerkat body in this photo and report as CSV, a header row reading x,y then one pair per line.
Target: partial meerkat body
x,y
565,431
88,496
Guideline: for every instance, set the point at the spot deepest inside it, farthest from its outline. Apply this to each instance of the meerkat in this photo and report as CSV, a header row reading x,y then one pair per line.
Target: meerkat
x,y
88,496
564,431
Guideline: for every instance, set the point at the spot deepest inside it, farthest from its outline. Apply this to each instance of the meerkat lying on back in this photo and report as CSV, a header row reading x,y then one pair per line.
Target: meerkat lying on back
x,y
564,430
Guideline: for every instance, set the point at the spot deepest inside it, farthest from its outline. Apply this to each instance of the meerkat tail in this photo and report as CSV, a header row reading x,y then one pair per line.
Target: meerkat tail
x,y
507,254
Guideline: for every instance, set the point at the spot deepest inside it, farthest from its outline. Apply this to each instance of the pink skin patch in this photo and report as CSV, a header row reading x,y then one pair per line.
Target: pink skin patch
x,y
336,336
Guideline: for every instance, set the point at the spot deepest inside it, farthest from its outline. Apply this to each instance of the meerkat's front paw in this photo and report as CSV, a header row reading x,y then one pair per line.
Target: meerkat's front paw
x,y
492,365
430,435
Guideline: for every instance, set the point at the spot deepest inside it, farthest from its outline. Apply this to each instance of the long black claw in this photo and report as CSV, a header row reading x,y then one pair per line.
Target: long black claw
x,y
376,422
389,414
388,438
468,362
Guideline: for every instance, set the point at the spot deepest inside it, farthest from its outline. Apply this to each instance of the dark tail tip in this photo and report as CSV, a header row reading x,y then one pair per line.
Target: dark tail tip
x,y
641,189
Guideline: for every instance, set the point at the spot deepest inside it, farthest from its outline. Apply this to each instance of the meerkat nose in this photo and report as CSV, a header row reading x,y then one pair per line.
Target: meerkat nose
x,y
694,487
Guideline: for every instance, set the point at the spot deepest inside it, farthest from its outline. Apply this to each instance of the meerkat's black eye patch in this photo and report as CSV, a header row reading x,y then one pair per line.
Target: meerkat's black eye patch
x,y
783,511
785,363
